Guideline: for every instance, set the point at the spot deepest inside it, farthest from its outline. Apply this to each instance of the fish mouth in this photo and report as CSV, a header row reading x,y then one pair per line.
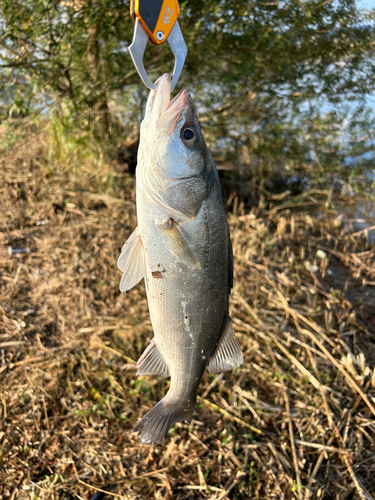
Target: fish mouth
x,y
168,111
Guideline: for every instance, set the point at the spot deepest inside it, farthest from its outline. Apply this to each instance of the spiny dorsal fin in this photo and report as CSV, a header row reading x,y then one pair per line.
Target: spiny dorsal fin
x,y
228,353
181,249
131,262
152,362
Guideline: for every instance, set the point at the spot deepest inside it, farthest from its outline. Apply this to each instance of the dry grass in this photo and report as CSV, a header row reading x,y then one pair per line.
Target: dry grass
x,y
296,421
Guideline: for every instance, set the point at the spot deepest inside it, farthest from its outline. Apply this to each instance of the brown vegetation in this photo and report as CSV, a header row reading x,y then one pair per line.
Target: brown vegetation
x,y
297,420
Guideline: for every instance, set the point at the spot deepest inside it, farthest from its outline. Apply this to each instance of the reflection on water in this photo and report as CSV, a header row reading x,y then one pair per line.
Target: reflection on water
x,y
359,216
355,207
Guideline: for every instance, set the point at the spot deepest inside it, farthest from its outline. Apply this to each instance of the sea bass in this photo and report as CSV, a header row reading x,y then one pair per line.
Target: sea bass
x,y
182,249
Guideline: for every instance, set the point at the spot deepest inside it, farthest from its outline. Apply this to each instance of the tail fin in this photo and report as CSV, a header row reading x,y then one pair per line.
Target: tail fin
x,y
155,424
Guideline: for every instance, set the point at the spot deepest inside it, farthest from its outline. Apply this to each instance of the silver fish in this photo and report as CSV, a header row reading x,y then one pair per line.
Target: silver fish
x,y
182,249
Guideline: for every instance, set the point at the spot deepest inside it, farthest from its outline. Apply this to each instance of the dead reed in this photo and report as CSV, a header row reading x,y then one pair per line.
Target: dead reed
x,y
296,421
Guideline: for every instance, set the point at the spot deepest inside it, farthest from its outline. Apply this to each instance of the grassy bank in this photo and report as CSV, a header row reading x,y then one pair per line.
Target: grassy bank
x,y
297,420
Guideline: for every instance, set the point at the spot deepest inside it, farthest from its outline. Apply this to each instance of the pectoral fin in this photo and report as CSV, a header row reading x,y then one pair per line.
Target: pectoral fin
x,y
228,353
131,262
152,362
180,248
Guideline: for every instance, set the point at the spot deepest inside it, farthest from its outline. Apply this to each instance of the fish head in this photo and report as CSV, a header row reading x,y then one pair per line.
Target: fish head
x,y
177,161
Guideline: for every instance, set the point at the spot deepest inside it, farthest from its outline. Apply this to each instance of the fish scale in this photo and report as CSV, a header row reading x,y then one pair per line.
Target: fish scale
x,y
182,249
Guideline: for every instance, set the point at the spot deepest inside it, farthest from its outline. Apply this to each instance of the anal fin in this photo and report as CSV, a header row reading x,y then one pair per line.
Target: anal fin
x,y
131,262
152,362
228,353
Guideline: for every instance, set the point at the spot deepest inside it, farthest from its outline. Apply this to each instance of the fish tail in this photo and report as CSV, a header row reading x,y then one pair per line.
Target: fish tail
x,y
155,425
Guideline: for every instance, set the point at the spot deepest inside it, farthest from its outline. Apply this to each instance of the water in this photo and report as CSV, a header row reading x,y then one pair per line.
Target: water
x,y
354,206
359,217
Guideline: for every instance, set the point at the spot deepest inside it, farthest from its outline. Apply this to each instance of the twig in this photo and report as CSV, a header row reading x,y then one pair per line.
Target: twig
x,y
292,442
15,279
93,487
229,488
99,489
322,447
228,415
363,495
349,379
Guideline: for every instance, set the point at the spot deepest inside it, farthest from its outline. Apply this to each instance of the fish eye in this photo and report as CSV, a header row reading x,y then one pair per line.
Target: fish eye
x,y
190,136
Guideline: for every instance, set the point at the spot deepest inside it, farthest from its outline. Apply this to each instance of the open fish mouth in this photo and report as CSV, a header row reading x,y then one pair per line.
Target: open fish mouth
x,y
165,111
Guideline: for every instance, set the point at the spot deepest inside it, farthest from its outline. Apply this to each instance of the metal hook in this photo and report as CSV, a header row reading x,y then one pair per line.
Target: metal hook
x,y
138,47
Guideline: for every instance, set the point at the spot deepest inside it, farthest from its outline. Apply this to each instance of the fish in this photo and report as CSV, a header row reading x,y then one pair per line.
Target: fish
x,y
182,249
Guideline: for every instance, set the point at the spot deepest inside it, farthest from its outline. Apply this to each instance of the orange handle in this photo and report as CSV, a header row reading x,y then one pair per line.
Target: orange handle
x,y
156,16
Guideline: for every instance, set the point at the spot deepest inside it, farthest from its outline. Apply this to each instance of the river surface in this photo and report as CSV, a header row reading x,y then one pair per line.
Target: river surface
x,y
358,215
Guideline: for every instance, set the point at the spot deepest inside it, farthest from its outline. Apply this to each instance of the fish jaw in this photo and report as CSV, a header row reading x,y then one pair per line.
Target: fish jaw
x,y
162,113
166,123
